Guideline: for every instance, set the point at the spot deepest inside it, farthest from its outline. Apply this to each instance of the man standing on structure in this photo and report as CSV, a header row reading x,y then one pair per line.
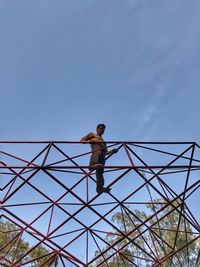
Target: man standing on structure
x,y
99,151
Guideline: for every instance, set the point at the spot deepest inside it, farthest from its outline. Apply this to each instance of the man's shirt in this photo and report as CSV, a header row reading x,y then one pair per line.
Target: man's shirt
x,y
97,142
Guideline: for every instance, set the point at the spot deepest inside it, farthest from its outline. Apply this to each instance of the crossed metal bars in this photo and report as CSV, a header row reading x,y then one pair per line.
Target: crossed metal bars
x,y
53,185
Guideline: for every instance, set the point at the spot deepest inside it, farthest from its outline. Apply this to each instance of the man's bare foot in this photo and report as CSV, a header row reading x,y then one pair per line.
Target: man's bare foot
x,y
104,190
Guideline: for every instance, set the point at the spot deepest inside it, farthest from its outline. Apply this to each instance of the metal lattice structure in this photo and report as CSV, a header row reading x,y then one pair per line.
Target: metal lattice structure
x,y
48,194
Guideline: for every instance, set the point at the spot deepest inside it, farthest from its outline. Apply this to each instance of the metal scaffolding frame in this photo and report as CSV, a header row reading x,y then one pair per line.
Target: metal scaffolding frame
x,y
48,193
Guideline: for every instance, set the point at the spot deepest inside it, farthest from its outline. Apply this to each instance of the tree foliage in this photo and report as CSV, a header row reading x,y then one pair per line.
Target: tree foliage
x,y
149,237
13,248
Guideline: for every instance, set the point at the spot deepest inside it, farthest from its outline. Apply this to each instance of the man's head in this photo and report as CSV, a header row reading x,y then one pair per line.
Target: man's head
x,y
100,128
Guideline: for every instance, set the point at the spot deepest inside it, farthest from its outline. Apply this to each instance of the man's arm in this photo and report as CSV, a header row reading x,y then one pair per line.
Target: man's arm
x,y
86,139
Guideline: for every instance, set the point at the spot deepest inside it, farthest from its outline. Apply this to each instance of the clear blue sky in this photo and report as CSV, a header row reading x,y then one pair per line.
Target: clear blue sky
x,y
67,65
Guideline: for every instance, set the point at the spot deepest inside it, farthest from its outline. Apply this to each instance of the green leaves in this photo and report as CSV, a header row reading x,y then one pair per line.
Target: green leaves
x,y
13,248
167,236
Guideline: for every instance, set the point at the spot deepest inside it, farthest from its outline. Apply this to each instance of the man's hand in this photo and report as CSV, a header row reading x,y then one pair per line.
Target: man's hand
x,y
113,151
84,141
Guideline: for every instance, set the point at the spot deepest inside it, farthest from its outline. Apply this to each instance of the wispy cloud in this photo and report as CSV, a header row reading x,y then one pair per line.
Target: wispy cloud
x,y
150,111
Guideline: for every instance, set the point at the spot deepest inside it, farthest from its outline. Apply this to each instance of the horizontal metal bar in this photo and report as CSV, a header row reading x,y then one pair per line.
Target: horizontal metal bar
x,y
48,167
78,142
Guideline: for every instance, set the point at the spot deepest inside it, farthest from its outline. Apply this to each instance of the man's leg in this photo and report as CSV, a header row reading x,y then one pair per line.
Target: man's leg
x,y
99,173
100,180
95,161
99,176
